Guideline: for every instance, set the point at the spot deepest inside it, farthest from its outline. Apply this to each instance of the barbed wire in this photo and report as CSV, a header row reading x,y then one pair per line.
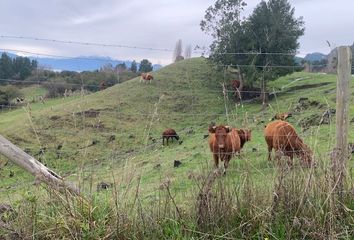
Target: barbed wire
x,y
161,90
85,43
139,47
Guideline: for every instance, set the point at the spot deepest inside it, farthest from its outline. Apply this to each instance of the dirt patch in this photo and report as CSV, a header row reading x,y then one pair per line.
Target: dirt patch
x,y
91,113
305,103
312,120
55,117
317,119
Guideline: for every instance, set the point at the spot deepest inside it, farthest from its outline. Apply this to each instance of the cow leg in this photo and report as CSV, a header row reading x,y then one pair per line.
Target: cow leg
x,y
269,153
216,161
163,141
226,163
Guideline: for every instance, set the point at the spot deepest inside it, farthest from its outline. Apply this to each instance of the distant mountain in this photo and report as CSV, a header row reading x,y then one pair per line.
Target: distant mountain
x,y
81,63
316,56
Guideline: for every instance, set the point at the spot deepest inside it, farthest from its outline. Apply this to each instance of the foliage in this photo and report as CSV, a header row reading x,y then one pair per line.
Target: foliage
x,y
271,28
177,53
188,52
8,93
145,66
134,67
121,68
18,68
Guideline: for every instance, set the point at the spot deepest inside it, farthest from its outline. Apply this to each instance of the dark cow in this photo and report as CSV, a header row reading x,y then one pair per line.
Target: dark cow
x,y
224,142
167,134
281,136
245,135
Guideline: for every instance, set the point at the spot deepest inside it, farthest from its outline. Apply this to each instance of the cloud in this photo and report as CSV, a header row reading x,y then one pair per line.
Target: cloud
x,y
154,23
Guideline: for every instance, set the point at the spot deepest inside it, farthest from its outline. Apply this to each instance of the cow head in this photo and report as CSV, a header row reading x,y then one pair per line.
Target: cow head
x,y
220,134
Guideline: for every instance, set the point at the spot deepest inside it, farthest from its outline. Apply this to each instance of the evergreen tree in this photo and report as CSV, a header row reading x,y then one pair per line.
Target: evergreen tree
x,y
6,70
145,66
177,54
271,28
134,67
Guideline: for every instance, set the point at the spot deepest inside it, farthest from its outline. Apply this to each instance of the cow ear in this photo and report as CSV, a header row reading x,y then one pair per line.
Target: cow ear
x,y
228,128
212,129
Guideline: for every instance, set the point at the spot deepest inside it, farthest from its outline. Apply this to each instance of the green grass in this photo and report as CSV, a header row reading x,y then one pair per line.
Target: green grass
x,y
186,96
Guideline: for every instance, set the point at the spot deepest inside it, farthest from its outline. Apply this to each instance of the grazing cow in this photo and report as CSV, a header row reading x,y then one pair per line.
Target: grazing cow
x,y
167,134
146,77
245,135
281,136
282,116
224,142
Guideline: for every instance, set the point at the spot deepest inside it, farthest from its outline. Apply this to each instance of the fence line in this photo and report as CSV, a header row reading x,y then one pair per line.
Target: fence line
x,y
24,82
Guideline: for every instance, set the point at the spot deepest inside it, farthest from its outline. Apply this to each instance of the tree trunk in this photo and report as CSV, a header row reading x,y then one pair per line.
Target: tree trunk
x,y
264,94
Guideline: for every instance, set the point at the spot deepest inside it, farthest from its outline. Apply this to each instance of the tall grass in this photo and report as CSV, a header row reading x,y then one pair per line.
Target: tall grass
x,y
300,205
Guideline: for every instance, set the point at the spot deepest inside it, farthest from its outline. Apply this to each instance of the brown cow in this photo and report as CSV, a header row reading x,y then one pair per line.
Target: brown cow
x,y
235,84
224,142
167,134
282,116
245,135
281,136
146,77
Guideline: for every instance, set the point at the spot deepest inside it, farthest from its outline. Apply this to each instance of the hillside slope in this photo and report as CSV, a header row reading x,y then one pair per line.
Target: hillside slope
x,y
117,132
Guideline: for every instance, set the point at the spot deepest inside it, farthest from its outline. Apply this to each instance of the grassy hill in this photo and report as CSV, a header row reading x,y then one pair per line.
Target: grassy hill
x,y
114,136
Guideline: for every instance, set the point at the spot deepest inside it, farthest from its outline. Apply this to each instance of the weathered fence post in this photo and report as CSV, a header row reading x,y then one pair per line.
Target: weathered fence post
x,y
31,165
340,156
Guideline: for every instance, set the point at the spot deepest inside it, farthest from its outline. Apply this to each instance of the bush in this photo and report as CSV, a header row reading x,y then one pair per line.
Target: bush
x,y
8,93
57,89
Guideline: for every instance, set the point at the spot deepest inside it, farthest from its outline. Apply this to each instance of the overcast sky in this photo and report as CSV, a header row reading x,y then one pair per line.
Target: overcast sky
x,y
153,24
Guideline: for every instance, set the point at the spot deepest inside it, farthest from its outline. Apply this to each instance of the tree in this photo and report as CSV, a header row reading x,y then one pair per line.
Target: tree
x,y
145,66
107,68
177,53
271,29
134,67
6,68
188,52
121,67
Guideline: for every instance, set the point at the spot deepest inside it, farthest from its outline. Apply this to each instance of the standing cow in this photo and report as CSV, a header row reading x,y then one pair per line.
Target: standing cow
x,y
224,142
245,135
281,136
146,77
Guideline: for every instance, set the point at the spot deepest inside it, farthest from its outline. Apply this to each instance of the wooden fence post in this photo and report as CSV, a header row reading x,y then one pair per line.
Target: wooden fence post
x,y
37,169
341,152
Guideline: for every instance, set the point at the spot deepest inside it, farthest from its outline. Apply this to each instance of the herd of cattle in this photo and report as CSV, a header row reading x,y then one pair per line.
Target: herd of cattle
x,y
225,142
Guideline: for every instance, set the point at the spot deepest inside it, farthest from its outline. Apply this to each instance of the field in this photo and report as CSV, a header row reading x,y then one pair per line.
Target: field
x,y
114,136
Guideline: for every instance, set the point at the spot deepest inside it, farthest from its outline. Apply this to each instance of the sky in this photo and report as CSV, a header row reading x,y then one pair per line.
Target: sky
x,y
156,24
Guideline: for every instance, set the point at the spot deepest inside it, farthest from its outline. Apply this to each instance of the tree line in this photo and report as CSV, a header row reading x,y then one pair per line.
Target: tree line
x,y
22,71
18,68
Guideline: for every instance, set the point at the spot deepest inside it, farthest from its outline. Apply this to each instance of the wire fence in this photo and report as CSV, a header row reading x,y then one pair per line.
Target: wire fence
x,y
149,117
